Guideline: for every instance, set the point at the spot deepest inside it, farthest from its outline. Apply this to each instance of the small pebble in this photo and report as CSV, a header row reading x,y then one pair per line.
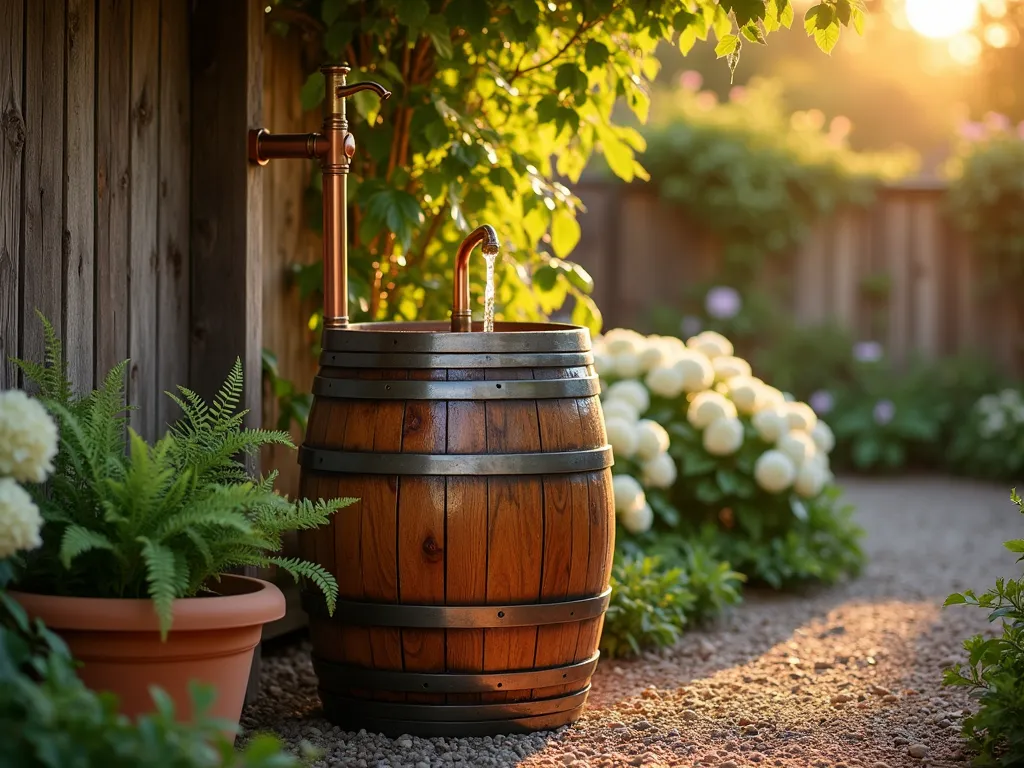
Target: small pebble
x,y
917,750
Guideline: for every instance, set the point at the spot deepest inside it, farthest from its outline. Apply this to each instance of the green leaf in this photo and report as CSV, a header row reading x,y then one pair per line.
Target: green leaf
x,y
1015,545
78,540
330,10
827,38
586,314
727,46
753,33
746,11
955,599
565,232
843,11
581,279
570,77
786,15
412,13
857,16
595,54
437,30
687,39
312,92
819,16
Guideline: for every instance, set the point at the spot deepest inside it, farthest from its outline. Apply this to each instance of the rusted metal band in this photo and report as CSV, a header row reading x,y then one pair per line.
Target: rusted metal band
x,y
334,676
364,614
463,713
359,463
426,360
540,389
436,337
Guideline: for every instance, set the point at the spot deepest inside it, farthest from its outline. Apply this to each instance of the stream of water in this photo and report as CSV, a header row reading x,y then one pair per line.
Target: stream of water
x,y
490,256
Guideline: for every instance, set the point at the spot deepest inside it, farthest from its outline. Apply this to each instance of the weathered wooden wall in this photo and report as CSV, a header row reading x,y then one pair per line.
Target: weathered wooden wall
x,y
94,190
643,252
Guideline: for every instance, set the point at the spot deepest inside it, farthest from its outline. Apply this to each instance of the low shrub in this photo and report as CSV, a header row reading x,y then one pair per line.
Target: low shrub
x,y
990,440
994,672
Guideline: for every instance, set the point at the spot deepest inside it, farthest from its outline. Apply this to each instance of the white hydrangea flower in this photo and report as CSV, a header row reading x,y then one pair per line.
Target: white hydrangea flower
x,y
627,365
672,348
707,407
622,409
774,471
823,437
666,381
771,396
770,422
638,521
627,493
659,472
624,341
651,439
798,445
653,355
746,392
20,521
820,460
604,364
728,366
724,436
710,343
28,438
622,436
993,424
987,404
633,392
800,416
1009,397
696,370
810,480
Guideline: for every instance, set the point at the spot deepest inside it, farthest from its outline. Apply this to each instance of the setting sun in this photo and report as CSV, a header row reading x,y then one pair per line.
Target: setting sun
x,y
941,18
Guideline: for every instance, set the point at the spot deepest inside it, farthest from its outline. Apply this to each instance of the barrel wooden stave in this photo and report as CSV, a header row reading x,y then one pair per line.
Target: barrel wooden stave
x,y
462,540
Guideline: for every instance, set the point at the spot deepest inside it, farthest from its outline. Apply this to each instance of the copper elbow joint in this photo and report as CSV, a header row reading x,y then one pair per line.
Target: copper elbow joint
x,y
462,315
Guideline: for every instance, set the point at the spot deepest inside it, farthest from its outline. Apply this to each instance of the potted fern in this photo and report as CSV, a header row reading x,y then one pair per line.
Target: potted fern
x,y
138,539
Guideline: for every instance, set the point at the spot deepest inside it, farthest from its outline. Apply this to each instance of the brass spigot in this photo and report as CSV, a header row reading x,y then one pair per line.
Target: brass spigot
x,y
334,146
462,315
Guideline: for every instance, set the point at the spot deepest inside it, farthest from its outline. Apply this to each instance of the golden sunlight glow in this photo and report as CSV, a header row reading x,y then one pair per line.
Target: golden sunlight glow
x,y
965,49
941,19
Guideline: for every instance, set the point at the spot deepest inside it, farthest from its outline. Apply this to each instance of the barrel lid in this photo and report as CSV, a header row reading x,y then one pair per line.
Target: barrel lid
x,y
437,337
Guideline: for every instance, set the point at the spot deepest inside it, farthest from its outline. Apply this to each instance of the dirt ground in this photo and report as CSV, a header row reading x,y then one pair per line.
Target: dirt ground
x,y
846,676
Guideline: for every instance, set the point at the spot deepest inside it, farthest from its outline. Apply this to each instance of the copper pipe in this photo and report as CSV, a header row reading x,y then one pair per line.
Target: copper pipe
x,y
462,315
334,146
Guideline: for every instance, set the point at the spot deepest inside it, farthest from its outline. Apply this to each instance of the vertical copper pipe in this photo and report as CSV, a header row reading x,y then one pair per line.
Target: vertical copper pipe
x,y
462,314
334,146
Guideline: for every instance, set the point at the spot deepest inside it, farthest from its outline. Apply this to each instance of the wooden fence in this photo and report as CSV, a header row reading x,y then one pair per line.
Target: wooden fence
x,y
643,252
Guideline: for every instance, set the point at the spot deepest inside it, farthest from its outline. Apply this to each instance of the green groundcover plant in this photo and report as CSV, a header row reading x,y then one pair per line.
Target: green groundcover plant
x,y
126,519
994,672
990,441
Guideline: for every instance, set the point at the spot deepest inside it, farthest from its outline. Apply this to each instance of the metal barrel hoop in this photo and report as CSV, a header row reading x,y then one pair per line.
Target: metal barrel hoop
x,y
436,338
360,613
334,675
455,464
434,360
529,389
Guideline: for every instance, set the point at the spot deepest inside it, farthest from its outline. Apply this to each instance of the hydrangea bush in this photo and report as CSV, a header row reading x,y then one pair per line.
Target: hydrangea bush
x,y
990,441
704,448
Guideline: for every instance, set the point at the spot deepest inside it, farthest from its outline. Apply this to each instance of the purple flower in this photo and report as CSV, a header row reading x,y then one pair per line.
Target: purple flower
x,y
867,352
690,326
723,302
822,402
884,412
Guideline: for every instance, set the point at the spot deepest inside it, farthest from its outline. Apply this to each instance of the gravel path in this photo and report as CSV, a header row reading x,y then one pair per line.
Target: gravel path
x,y
848,676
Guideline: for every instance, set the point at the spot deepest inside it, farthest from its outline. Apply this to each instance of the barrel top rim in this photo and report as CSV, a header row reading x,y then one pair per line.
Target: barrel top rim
x,y
437,337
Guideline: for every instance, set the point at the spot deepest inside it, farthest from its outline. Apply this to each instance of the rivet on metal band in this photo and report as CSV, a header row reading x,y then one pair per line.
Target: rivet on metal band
x,y
390,389
359,463
394,710
333,675
364,614
426,360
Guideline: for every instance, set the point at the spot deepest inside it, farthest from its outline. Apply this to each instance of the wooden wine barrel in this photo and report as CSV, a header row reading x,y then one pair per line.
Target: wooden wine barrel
x,y
474,569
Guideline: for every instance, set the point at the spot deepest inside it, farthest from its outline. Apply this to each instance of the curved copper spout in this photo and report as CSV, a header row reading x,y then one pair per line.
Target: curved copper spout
x,y
462,315
344,91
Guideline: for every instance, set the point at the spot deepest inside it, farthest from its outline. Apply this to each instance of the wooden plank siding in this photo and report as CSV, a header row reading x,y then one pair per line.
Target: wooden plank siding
x,y
94,191
643,252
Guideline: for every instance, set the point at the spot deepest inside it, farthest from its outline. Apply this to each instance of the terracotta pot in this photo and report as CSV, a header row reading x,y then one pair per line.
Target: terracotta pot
x,y
212,640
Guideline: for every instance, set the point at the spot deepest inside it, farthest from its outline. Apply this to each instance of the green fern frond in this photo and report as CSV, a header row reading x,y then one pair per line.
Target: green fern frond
x,y
316,574
226,401
78,540
51,377
162,578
